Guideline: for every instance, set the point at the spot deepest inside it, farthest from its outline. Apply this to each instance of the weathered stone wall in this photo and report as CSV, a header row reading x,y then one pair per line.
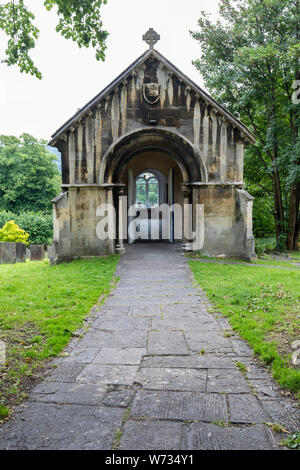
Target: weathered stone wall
x,y
219,218
227,220
75,223
180,109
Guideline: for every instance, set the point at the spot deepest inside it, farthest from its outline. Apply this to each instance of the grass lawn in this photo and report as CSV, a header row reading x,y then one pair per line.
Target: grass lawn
x,y
261,304
264,259
40,307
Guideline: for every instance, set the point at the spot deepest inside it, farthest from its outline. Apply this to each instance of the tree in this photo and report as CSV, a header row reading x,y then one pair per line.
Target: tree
x,y
29,177
79,20
250,61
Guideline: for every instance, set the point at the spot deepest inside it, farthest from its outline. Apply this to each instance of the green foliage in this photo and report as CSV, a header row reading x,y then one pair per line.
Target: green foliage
x,y
4,411
17,23
263,220
40,308
241,366
264,244
293,441
249,60
281,242
79,20
39,225
262,305
29,177
10,232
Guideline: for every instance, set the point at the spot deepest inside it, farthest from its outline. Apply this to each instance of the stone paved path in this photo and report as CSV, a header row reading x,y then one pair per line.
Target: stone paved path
x,y
138,369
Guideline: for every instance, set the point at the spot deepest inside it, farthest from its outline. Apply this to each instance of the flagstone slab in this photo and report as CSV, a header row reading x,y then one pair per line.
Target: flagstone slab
x,y
208,341
119,398
283,413
81,355
146,311
172,379
179,406
129,356
246,409
185,324
212,437
141,300
122,323
45,426
205,361
265,389
226,381
151,435
111,313
65,372
255,372
183,311
69,393
108,374
166,342
115,339
241,348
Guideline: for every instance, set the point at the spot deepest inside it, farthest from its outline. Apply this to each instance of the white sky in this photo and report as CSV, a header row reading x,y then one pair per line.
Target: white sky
x,y
72,76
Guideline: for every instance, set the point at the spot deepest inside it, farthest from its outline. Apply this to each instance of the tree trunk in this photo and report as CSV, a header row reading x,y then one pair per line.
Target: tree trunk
x,y
278,206
294,218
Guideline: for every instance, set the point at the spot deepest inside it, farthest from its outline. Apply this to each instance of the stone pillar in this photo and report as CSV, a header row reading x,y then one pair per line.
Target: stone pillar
x,y
244,236
120,235
187,219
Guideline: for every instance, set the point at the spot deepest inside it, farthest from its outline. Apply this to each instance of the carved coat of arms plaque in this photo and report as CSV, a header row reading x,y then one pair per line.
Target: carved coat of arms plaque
x,y
151,92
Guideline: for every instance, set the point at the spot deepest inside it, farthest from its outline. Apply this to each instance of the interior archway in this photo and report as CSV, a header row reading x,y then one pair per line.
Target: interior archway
x,y
162,167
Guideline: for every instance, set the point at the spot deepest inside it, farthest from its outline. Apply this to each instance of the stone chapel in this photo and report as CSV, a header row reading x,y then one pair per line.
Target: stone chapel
x,y
155,137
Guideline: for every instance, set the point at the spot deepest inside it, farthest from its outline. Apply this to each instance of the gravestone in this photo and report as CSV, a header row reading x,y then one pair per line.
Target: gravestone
x,y
51,251
7,253
37,252
20,252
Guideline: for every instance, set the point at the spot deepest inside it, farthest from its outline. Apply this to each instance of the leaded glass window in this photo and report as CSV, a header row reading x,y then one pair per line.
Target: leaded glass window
x,y
147,190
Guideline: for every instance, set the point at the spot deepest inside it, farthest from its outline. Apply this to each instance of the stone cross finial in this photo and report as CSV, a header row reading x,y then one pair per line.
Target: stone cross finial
x,y
151,37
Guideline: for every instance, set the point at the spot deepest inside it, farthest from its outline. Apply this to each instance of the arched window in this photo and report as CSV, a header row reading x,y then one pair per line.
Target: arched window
x,y
147,190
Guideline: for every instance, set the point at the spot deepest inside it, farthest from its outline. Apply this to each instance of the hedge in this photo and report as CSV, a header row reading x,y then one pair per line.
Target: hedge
x,y
39,225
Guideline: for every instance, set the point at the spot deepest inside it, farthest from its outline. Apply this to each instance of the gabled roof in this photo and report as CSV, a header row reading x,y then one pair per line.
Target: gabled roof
x,y
153,52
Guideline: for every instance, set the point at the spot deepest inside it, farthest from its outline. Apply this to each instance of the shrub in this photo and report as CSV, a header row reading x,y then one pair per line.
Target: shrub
x,y
39,225
10,232
263,219
264,244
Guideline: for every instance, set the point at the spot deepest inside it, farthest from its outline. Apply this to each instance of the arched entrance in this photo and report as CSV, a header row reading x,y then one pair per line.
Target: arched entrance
x,y
151,155
152,183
